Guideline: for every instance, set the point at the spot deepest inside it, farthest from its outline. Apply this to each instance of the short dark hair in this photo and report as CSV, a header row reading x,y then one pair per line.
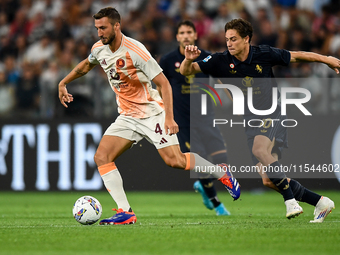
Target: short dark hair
x,y
243,27
186,23
110,13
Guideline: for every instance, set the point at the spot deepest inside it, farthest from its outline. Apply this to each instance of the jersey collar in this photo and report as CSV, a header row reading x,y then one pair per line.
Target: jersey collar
x,y
247,61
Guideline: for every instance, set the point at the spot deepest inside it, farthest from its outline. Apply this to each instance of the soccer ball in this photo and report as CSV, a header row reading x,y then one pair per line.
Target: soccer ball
x,y
87,210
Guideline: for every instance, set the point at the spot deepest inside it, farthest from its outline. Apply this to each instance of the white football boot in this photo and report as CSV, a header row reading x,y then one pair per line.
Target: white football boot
x,y
322,209
293,208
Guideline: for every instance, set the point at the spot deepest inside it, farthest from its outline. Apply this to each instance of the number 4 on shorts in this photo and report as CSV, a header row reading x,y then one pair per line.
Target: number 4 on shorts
x,y
158,129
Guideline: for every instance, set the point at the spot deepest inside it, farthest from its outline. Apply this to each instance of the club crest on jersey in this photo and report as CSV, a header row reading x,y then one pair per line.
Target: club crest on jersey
x,y
177,64
232,66
206,59
258,68
120,63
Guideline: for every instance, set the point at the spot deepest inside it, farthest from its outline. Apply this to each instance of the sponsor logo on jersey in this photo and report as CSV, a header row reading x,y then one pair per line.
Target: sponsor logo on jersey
x,y
247,81
113,74
189,79
103,63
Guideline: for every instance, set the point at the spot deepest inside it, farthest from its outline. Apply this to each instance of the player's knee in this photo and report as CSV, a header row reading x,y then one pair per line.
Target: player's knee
x,y
100,158
97,159
259,152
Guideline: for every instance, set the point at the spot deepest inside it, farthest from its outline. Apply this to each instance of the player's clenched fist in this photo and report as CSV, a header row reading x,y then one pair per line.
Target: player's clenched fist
x,y
170,126
191,52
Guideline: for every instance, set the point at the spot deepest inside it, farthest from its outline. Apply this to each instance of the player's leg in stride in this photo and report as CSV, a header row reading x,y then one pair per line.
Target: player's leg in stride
x,y
190,139
173,157
210,202
207,184
323,205
198,187
262,149
110,147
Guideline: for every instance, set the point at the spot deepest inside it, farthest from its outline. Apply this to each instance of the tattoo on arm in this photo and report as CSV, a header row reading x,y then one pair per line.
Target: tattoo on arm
x,y
78,71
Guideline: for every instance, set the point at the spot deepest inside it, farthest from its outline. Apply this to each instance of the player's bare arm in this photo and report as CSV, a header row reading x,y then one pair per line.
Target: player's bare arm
x,y
301,56
188,67
164,87
80,70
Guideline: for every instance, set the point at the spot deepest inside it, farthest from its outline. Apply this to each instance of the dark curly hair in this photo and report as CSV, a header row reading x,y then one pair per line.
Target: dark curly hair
x,y
109,12
243,27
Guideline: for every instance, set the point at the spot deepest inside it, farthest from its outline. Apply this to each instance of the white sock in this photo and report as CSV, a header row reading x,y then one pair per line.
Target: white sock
x,y
198,164
114,184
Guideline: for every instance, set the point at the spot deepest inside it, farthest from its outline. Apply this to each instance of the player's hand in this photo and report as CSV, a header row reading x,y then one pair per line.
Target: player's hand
x,y
191,52
170,126
64,96
334,63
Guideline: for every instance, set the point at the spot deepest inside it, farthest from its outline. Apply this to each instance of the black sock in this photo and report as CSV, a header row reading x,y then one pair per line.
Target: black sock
x,y
280,180
302,194
219,158
208,186
310,197
297,189
215,201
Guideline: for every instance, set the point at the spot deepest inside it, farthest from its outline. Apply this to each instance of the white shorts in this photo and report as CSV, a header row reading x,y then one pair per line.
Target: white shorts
x,y
135,129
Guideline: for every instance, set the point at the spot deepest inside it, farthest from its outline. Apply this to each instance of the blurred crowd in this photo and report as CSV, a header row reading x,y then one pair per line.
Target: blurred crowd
x,y
42,40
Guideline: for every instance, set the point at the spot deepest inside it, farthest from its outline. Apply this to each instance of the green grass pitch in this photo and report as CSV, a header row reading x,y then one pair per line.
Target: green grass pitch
x,y
167,223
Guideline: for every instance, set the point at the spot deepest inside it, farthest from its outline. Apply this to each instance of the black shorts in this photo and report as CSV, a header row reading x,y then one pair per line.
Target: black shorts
x,y
270,129
203,140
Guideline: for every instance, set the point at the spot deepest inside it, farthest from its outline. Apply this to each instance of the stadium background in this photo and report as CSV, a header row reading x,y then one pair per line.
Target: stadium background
x,y
46,147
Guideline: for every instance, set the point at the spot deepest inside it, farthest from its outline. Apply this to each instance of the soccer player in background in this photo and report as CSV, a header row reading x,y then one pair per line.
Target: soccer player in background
x,y
241,60
143,113
194,134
